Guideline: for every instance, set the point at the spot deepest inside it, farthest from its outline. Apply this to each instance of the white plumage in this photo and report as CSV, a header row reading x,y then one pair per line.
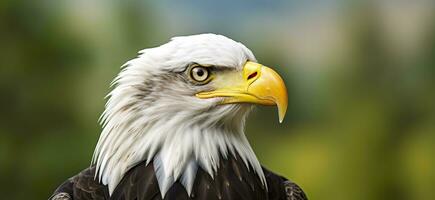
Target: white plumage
x,y
155,117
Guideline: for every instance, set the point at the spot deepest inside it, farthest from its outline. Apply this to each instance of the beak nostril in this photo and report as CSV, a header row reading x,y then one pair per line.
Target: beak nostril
x,y
253,75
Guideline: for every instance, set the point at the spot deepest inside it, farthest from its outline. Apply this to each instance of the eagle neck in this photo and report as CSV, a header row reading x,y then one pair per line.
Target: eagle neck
x,y
176,145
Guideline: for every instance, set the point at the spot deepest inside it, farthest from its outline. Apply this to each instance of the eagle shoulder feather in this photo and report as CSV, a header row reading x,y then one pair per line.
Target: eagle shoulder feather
x,y
233,180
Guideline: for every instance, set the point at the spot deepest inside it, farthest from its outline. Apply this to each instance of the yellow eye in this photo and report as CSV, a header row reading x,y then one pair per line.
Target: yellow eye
x,y
199,73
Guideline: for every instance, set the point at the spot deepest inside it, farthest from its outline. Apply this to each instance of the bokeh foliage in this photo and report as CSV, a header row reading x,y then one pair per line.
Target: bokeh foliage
x,y
360,124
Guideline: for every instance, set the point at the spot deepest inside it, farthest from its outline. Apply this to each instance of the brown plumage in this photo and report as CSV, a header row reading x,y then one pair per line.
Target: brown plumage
x,y
233,180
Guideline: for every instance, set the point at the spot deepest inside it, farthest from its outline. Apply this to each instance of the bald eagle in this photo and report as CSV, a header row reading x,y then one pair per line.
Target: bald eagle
x,y
173,127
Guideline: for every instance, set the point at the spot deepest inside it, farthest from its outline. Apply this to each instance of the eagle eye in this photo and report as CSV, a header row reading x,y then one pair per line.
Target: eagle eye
x,y
199,74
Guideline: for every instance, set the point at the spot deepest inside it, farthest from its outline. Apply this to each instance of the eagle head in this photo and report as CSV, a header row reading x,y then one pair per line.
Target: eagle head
x,y
182,106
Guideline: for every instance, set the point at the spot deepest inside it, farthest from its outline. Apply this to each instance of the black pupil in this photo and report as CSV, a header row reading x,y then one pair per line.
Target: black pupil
x,y
200,72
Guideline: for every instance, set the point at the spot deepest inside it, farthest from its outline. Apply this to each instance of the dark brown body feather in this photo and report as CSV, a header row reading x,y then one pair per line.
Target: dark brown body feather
x,y
233,180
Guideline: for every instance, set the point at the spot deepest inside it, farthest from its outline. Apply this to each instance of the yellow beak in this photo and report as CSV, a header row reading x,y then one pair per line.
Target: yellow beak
x,y
256,84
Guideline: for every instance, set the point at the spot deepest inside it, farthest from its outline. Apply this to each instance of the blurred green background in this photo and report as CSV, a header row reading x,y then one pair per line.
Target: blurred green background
x,y
360,75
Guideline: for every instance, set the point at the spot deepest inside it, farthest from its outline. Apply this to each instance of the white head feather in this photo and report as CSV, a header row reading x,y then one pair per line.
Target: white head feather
x,y
153,115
